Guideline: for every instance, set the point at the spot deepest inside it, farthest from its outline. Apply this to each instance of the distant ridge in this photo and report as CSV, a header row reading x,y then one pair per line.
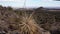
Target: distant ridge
x,y
53,8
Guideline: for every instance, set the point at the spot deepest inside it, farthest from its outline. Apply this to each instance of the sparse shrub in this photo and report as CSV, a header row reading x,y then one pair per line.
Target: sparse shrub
x,y
29,26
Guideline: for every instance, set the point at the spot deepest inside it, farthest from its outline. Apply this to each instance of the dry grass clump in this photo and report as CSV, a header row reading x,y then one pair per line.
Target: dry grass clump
x,y
28,25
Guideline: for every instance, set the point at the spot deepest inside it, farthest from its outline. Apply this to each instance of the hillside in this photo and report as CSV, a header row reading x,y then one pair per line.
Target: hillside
x,y
35,21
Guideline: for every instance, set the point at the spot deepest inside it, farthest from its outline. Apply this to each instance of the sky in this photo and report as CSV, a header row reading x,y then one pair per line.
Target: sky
x,y
30,3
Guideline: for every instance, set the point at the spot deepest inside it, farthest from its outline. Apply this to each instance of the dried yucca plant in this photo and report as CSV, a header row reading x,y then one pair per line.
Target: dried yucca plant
x,y
28,25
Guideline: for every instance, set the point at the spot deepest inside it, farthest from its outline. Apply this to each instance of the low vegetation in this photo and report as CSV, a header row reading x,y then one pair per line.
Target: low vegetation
x,y
36,21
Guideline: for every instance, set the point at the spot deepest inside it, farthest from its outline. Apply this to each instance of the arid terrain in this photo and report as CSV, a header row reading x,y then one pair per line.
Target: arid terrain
x,y
32,21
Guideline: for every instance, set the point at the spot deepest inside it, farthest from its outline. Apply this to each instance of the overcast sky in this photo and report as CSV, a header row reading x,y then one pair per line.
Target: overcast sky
x,y
30,3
